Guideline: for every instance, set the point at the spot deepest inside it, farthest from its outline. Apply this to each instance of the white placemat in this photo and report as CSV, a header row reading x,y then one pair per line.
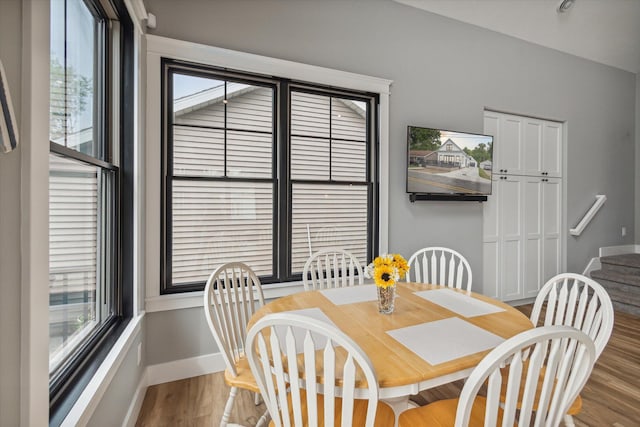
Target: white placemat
x,y
444,340
351,294
314,313
462,304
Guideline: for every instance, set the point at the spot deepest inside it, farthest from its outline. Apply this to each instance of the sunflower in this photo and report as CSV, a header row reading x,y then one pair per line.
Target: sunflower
x,y
385,275
383,260
401,264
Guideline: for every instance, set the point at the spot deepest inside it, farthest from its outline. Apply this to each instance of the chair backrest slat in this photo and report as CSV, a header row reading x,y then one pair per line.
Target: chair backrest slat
x,y
332,268
345,370
575,300
232,294
440,266
562,355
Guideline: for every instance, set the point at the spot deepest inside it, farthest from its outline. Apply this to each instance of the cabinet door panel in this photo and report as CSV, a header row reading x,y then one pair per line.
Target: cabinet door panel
x,y
552,190
511,277
491,269
510,207
490,217
552,199
533,236
552,149
510,199
551,262
532,147
509,146
532,268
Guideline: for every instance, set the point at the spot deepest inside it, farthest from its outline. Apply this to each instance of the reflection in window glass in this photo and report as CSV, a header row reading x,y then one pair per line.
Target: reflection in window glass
x,y
222,178
74,224
72,84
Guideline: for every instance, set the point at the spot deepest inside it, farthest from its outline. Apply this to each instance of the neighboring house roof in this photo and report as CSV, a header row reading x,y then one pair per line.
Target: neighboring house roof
x,y
207,97
77,138
420,153
449,141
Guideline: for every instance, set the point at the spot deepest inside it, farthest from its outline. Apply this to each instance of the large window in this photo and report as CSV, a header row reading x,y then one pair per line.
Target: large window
x,y
264,171
87,290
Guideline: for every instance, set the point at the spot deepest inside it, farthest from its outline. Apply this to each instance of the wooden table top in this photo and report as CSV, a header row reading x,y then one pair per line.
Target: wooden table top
x,y
399,370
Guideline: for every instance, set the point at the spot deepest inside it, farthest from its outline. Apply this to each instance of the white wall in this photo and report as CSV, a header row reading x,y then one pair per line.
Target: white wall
x,y
445,74
10,41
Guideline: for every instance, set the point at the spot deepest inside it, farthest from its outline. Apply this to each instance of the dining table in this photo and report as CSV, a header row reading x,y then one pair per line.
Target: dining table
x,y
434,336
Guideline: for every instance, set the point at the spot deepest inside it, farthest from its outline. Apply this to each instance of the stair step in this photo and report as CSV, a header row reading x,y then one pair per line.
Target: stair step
x,y
627,264
632,280
624,296
625,260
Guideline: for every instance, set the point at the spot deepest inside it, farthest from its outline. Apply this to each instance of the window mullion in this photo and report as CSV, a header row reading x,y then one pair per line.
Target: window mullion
x,y
283,254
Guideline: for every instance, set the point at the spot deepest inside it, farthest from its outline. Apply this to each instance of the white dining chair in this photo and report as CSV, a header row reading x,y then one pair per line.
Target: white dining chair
x,y
562,355
332,268
311,373
440,266
575,300
232,294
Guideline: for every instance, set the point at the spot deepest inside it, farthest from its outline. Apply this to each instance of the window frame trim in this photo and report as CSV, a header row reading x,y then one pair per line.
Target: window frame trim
x,y
281,162
159,47
115,127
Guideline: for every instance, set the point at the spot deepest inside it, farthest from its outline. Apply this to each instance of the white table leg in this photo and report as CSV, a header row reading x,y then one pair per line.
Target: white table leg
x,y
399,405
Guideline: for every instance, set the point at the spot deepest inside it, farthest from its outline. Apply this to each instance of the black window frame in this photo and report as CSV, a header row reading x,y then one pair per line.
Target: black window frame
x,y
282,196
73,376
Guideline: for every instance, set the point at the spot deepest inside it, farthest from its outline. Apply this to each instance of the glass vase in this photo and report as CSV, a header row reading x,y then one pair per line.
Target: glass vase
x,y
386,299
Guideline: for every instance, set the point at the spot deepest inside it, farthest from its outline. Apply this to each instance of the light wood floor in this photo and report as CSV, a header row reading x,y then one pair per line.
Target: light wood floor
x,y
610,398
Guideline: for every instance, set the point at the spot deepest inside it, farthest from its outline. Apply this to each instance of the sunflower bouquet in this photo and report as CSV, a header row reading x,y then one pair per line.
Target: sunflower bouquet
x,y
387,269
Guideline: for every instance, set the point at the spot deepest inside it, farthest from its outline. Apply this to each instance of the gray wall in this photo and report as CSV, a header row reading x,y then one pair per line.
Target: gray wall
x,y
445,73
10,43
637,182
177,334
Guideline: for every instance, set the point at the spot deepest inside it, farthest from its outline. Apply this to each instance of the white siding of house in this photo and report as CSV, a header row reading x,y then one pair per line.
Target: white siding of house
x,y
73,207
216,222
336,215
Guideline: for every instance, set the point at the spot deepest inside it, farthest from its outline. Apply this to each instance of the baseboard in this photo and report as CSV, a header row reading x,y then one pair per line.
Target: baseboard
x,y
184,368
619,250
518,302
593,265
131,417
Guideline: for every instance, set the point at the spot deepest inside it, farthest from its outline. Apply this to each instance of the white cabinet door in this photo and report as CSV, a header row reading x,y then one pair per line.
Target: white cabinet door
x,y
532,147
533,230
508,147
551,164
491,243
510,191
552,226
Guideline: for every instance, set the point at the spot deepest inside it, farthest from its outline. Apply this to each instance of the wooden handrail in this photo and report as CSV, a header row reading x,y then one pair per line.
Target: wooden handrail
x,y
586,219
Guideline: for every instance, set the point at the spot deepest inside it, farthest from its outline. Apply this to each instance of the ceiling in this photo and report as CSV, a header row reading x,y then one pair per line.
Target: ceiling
x,y
605,31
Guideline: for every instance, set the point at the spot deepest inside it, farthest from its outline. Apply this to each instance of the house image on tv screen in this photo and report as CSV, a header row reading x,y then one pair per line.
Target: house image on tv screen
x,y
448,162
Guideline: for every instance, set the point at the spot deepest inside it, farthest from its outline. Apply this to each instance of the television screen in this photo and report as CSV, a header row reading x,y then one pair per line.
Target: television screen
x,y
443,162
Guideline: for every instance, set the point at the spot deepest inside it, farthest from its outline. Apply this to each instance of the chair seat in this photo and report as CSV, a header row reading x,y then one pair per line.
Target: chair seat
x,y
574,409
245,379
384,414
442,413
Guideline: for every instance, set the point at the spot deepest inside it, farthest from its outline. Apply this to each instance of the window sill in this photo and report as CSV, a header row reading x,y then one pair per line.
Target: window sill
x,y
194,299
90,397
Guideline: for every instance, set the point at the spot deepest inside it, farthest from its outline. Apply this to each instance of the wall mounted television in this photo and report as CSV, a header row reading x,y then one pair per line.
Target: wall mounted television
x,y
448,165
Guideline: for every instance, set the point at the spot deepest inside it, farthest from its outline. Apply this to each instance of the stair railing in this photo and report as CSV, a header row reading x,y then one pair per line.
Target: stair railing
x,y
586,219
